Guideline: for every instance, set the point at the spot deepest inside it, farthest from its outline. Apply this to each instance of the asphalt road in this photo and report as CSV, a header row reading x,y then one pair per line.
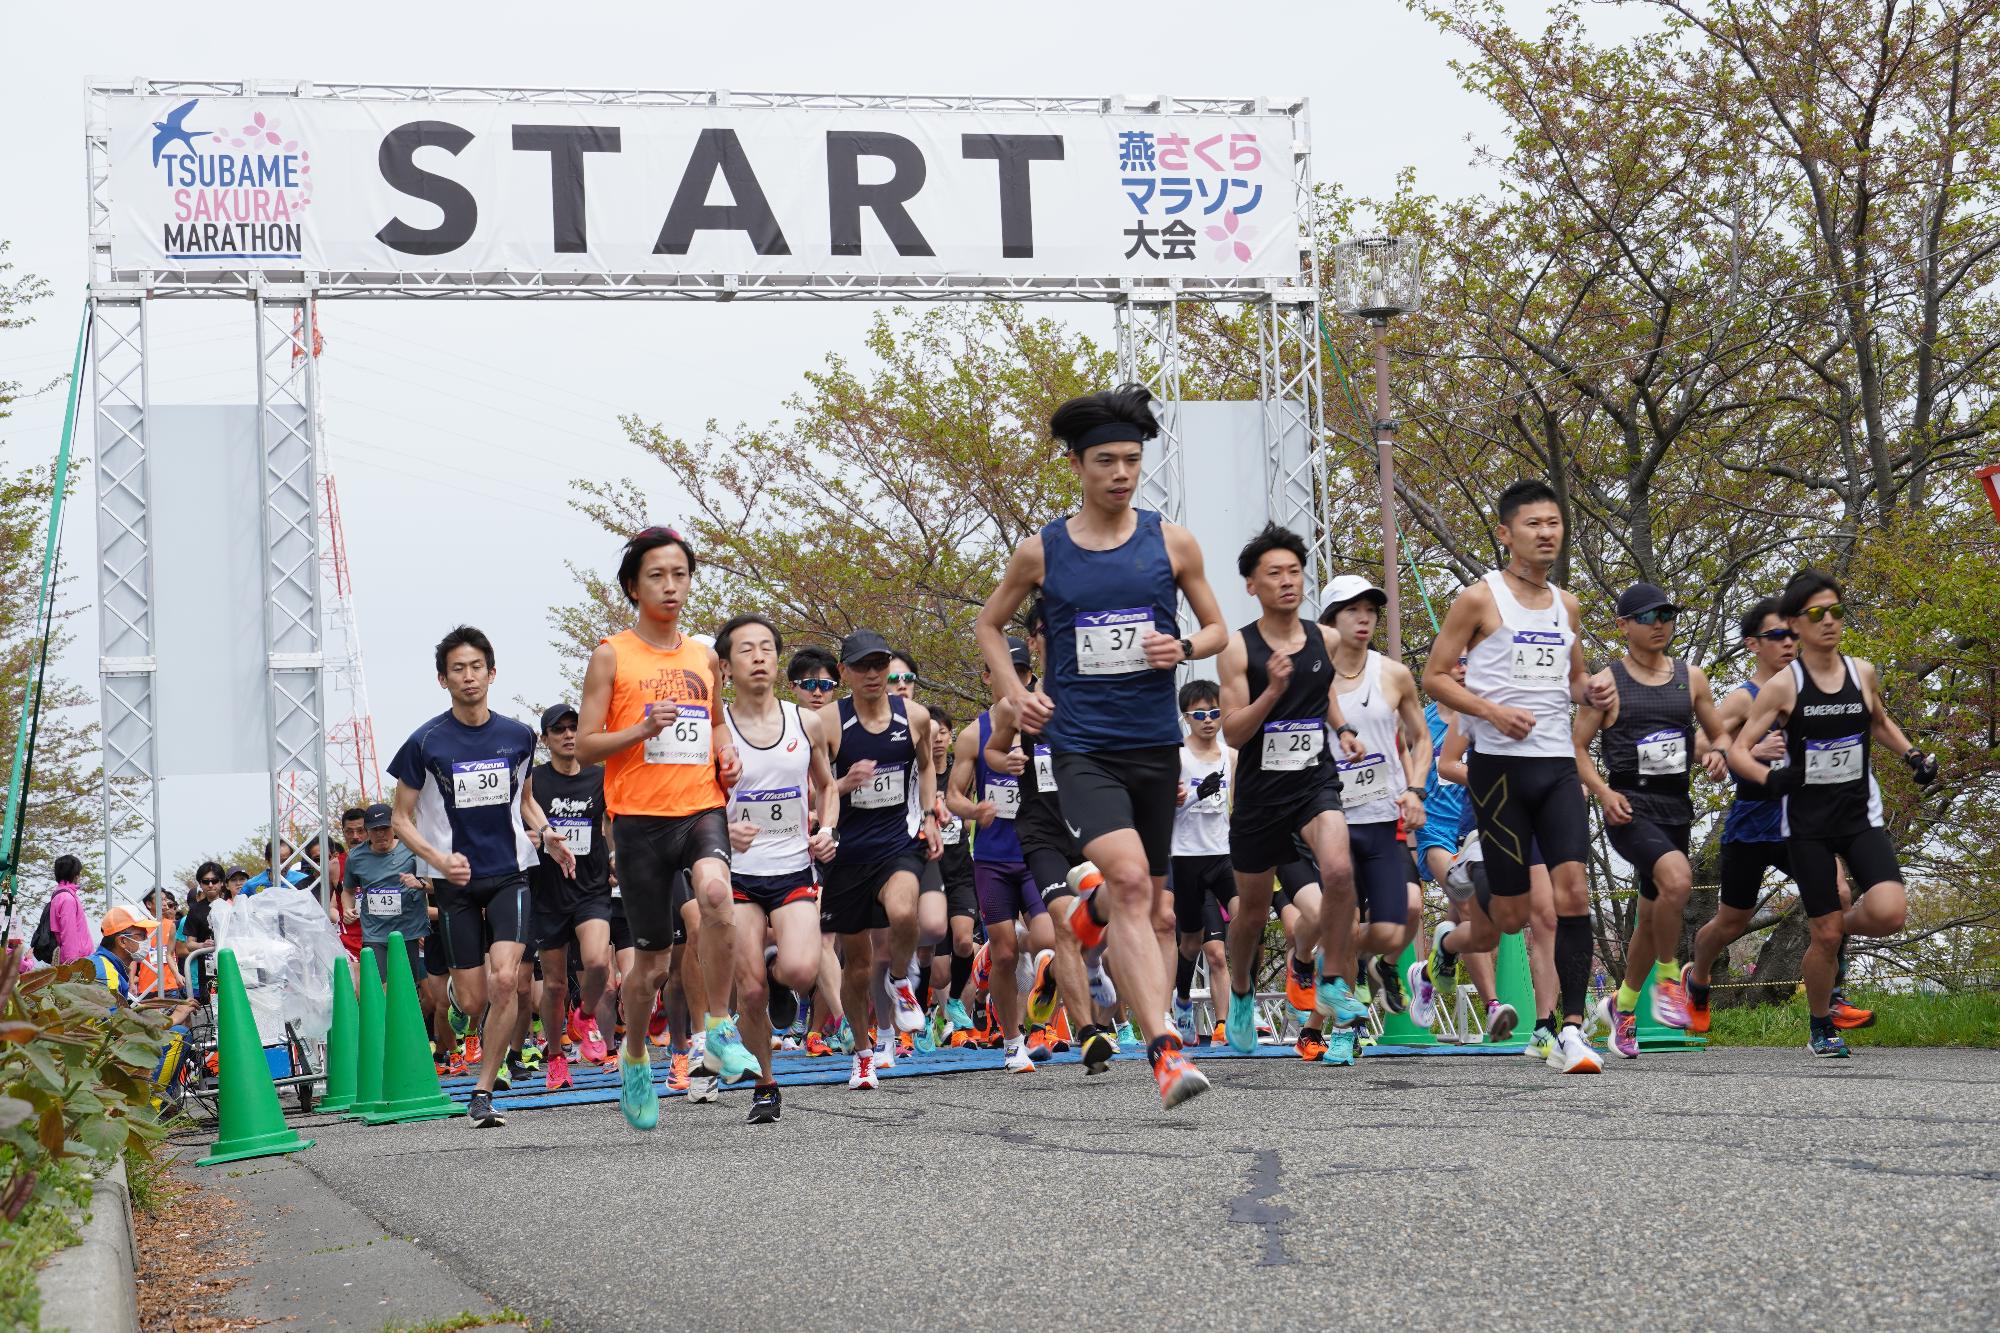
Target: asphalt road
x,y
1754,1188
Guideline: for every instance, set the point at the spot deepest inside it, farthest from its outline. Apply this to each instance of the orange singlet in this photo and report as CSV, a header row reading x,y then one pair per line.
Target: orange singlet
x,y
672,774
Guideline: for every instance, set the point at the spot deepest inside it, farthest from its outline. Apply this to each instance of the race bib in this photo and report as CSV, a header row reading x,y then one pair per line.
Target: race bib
x,y
952,832
1293,744
1369,778
1663,754
477,782
1837,760
576,833
1045,769
1005,793
1107,642
685,742
383,902
778,812
885,789
1539,658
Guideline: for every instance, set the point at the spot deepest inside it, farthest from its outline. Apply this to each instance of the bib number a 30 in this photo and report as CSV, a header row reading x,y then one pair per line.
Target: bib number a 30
x,y
1663,754
1834,761
885,789
1293,744
478,782
685,742
1365,780
1107,642
778,812
1538,657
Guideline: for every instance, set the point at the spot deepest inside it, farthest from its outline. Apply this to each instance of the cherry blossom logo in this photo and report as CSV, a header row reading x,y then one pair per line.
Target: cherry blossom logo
x,y
1232,238
261,135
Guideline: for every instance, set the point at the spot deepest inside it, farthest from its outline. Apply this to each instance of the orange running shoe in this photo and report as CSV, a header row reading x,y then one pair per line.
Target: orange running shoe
x,y
1298,990
677,1075
1220,1035
1847,1017
1310,1045
1697,1002
472,1048
816,1044
1089,934
1177,1076
961,1037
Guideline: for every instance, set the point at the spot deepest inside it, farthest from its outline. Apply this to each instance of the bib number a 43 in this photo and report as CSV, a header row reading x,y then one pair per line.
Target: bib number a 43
x,y
1292,745
383,902
685,742
478,782
1107,642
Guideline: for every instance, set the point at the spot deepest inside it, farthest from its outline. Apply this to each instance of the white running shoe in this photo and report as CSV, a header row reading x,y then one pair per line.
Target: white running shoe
x,y
885,1054
1018,1061
1572,1054
1423,997
698,1052
909,1014
864,1071
703,1088
1103,992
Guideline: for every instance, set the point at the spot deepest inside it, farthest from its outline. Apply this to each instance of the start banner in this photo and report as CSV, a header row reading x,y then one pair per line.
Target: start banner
x,y
207,184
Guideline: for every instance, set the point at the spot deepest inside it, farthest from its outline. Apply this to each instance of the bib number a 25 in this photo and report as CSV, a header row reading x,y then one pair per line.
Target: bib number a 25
x,y
1538,657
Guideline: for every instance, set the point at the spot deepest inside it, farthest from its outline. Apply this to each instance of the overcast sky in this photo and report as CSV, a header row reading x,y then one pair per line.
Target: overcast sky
x,y
446,420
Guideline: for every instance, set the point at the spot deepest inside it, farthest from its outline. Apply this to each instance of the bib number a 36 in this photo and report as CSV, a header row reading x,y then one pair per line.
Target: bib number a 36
x,y
1005,793
1663,754
478,782
1107,642
685,742
1365,780
1538,657
778,812
885,789
1293,744
1830,762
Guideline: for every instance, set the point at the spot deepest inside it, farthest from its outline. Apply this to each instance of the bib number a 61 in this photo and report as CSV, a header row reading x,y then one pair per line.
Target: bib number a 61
x,y
886,788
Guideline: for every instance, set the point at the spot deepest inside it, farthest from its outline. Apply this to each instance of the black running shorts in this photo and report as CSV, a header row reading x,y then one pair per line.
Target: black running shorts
x,y
1381,873
1870,858
1742,871
1263,838
1643,842
1197,880
850,899
496,908
653,851
555,927
1050,869
1522,801
1122,789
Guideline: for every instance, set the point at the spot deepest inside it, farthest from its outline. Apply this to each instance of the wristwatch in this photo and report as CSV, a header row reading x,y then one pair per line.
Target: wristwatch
x,y
1348,729
1187,650
1414,791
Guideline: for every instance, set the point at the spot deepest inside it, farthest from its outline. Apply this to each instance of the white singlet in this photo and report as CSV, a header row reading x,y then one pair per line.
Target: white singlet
x,y
1523,664
1201,827
772,793
1369,785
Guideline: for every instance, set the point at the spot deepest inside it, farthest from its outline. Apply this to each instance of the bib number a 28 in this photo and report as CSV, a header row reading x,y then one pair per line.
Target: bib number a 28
x,y
1292,744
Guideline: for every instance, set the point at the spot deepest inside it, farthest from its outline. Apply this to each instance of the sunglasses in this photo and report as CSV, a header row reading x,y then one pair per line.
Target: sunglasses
x,y
902,678
1777,635
1668,614
819,685
209,883
1838,610
1204,714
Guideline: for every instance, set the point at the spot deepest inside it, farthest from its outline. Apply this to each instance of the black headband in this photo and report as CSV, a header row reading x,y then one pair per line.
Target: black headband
x,y
1109,432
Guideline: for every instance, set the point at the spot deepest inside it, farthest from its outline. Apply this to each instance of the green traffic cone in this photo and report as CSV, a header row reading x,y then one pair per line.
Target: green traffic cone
x,y
247,1112
1515,981
368,1050
1657,1036
410,1088
1400,1029
340,1039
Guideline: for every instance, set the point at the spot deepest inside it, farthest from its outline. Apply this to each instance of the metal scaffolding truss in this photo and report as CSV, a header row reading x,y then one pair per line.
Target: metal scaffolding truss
x,y
1149,354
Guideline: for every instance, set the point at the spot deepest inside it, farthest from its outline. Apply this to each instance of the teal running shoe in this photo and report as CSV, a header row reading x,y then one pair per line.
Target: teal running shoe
x,y
1339,1047
1128,1035
843,1040
1336,1000
922,1041
636,1097
1241,1026
961,1021
728,1057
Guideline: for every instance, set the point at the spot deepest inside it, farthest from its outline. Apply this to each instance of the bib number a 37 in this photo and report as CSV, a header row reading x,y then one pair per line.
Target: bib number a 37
x,y
685,742
1837,760
886,788
778,812
478,782
1663,754
1045,769
1293,744
1005,793
1538,657
1365,780
1107,642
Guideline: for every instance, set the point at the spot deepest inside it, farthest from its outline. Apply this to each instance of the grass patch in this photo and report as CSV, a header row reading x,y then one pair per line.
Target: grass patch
x,y
1963,1018
42,1228
468,1319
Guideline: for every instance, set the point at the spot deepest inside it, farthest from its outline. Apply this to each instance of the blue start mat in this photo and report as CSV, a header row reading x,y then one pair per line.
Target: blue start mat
x,y
592,1084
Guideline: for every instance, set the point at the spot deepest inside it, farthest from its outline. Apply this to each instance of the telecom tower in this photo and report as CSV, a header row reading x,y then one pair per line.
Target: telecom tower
x,y
350,730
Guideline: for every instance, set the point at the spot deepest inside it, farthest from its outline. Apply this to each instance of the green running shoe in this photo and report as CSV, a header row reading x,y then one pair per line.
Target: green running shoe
x,y
636,1097
727,1055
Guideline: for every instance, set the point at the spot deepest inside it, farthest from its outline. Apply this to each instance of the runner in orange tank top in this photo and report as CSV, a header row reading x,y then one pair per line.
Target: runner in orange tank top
x,y
650,702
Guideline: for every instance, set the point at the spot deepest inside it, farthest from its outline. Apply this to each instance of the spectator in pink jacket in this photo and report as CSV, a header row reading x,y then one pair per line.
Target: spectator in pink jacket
x,y
71,925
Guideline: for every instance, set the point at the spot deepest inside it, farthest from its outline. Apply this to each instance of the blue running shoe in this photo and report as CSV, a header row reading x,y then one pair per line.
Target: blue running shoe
x,y
1339,1047
1336,1000
1241,1027
1184,1020
636,1097
961,1021
728,1057
1829,1044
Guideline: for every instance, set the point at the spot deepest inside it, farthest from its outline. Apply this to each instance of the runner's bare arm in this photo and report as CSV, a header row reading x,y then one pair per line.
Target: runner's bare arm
x,y
1451,763
920,736
594,744
403,819
1714,732
820,735
536,821
1776,698
1465,623
1584,688
1003,735
728,763
1021,577
958,785
1881,726
1416,731
1185,553
1242,716
1590,720
1350,744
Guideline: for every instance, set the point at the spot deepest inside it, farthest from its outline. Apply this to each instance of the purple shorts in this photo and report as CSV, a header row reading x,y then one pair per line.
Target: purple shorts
x,y
1006,890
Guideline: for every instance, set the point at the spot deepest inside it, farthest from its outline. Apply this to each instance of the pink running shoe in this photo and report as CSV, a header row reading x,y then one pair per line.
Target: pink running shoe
x,y
592,1042
557,1076
1624,1028
1670,1003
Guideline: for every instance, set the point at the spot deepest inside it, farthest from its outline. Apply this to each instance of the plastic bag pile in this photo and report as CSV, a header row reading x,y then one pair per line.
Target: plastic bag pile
x,y
286,948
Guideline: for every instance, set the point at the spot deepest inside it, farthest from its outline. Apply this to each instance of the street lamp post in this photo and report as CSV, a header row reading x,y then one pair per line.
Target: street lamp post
x,y
1378,278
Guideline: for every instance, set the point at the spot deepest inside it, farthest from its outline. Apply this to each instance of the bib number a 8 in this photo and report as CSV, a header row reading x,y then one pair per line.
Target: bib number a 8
x,y
1107,642
1293,744
885,789
685,742
779,812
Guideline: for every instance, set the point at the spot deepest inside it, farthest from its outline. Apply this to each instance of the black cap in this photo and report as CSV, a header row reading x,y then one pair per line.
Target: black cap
x,y
1018,650
376,816
862,645
1642,597
553,714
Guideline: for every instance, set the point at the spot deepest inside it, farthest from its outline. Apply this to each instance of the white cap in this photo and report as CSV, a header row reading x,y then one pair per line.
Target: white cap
x,y
1350,587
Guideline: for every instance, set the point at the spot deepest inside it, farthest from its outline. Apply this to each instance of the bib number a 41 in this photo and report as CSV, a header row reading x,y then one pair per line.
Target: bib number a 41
x,y
778,812
1663,754
1293,744
1107,642
478,782
1834,761
685,742
576,834
1538,657
886,788
1365,780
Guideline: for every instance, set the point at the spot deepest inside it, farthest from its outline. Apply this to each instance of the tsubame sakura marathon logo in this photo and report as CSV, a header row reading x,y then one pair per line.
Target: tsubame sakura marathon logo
x,y
238,191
